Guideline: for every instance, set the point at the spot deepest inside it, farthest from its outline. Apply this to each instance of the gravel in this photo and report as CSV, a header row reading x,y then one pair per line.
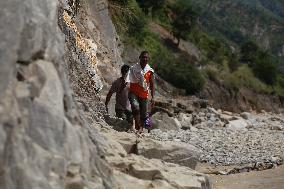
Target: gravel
x,y
222,146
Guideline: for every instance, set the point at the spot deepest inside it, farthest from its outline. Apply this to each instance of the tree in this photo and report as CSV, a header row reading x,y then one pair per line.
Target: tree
x,y
233,62
249,51
261,62
264,68
184,19
182,75
151,5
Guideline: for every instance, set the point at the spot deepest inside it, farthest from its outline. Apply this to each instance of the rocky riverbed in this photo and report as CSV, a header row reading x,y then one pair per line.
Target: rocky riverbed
x,y
230,139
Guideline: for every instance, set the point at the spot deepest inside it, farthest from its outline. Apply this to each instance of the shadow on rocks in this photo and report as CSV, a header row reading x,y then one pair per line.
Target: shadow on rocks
x,y
117,124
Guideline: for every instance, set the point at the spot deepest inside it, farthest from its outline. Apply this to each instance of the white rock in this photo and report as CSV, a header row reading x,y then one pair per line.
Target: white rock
x,y
227,113
226,118
246,115
177,122
277,127
212,110
239,124
185,120
193,129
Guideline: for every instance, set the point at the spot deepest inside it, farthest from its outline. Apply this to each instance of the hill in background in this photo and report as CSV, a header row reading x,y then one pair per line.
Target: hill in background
x,y
196,44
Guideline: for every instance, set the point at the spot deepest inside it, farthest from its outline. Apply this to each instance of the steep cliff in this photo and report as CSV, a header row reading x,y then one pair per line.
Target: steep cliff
x,y
45,142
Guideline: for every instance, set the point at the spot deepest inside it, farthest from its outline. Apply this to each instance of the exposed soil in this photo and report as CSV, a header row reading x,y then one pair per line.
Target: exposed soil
x,y
239,100
267,179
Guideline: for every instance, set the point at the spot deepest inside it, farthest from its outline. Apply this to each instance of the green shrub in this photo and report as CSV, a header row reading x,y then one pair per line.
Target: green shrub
x,y
244,77
213,49
182,75
280,81
127,17
212,74
261,62
148,6
233,62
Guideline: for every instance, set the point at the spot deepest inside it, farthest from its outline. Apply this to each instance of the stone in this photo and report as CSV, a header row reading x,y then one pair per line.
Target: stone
x,y
117,123
193,129
227,113
75,182
185,120
153,170
237,125
179,105
277,127
177,123
175,152
126,181
226,118
212,110
162,121
246,115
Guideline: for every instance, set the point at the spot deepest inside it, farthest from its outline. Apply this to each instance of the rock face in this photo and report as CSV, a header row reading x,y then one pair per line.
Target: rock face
x,y
45,143
92,52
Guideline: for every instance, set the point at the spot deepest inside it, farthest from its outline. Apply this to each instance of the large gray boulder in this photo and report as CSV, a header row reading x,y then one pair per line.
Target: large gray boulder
x,y
162,121
174,152
157,174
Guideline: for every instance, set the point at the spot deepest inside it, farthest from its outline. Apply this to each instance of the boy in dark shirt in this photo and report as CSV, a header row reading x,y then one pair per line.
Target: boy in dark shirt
x,y
122,105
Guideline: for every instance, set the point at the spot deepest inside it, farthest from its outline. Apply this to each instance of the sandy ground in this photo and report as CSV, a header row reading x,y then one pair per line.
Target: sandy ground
x,y
267,179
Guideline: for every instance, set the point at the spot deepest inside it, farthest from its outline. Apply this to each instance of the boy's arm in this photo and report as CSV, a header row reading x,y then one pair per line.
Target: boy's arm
x,y
109,94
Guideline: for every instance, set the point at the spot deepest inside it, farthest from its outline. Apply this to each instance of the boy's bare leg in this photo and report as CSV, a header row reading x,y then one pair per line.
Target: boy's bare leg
x,y
136,121
140,129
138,125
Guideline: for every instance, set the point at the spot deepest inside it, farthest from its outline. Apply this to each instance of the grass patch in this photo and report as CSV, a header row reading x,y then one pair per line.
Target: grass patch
x,y
244,77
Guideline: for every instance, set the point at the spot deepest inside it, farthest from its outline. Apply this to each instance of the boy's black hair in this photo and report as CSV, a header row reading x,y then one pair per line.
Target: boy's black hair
x,y
124,68
142,53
